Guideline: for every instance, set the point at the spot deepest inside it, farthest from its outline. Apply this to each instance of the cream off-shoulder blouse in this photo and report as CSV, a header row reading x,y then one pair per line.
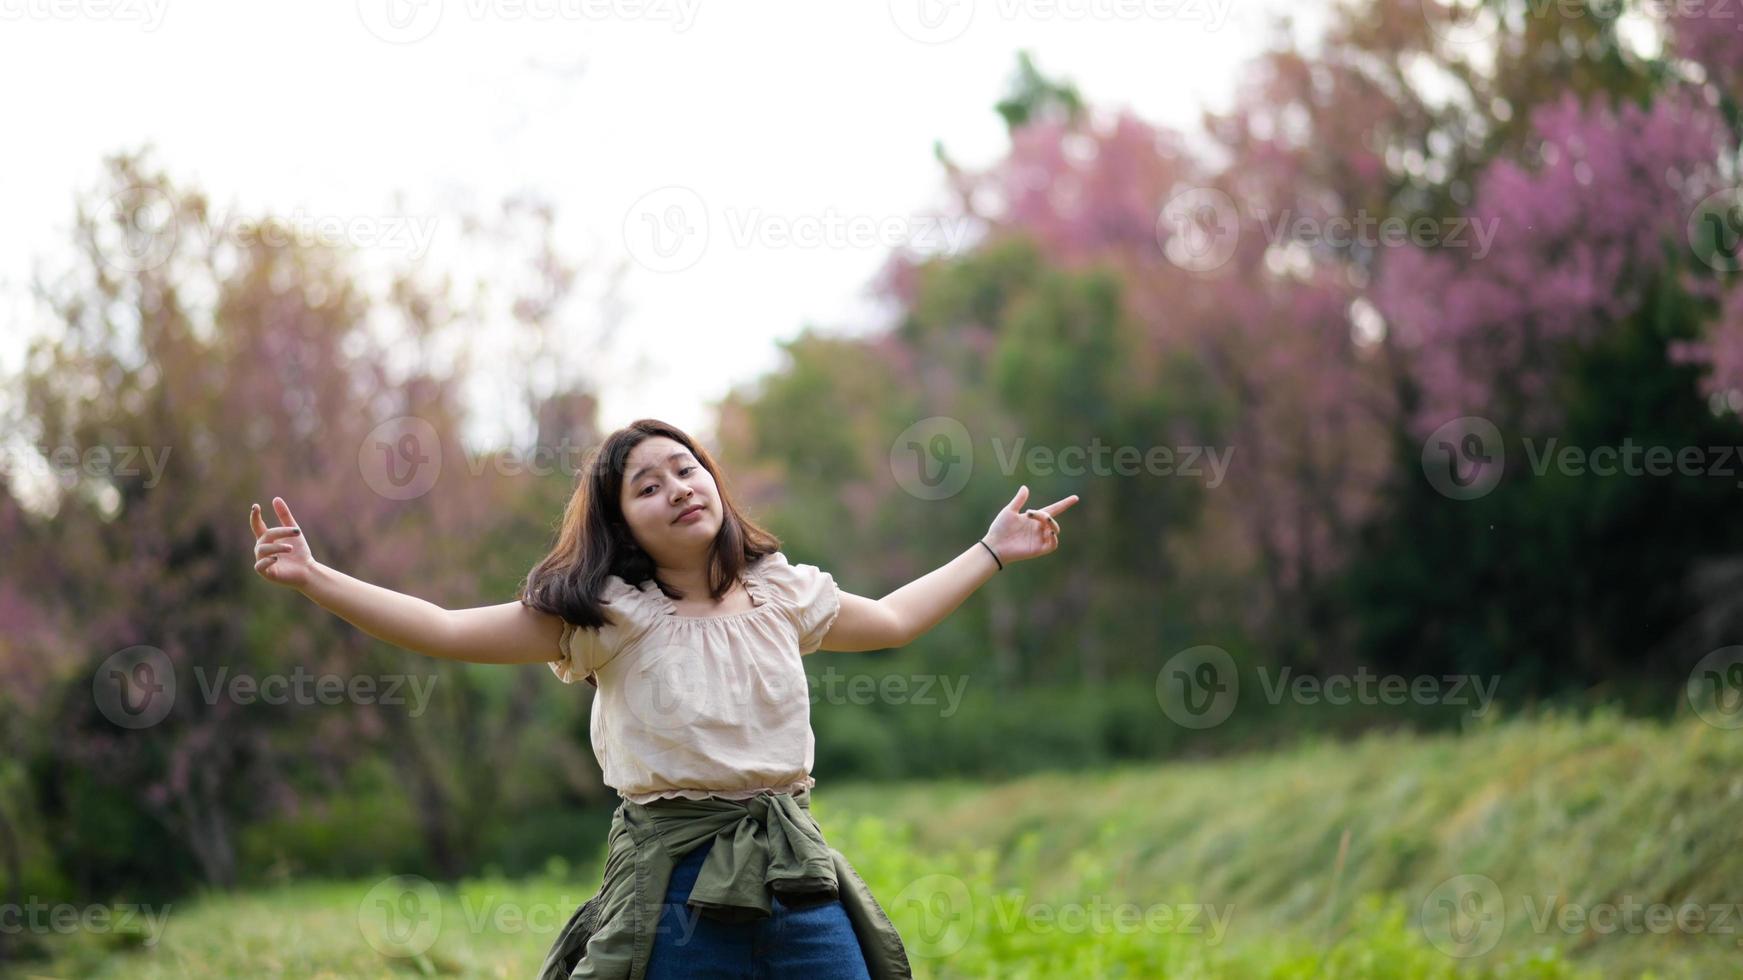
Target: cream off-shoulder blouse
x,y
700,706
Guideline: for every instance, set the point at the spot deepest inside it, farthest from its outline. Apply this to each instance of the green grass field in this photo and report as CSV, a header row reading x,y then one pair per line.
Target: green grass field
x,y
1552,848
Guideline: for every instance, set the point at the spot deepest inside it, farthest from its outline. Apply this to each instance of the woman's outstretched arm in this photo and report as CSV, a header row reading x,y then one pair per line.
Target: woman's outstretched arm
x,y
909,612
507,633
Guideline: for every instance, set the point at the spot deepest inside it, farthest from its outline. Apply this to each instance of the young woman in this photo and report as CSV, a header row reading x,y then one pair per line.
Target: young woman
x,y
691,624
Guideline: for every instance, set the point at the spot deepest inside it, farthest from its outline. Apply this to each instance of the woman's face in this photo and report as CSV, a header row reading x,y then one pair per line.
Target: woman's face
x,y
663,481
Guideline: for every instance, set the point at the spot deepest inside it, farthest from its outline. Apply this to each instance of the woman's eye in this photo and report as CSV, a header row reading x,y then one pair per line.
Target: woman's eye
x,y
644,490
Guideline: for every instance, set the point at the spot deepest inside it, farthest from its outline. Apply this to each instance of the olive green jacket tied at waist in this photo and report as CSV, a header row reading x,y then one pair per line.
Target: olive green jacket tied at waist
x,y
768,843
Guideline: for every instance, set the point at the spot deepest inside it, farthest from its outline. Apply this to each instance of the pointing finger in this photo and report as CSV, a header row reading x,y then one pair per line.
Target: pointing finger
x,y
1061,506
284,512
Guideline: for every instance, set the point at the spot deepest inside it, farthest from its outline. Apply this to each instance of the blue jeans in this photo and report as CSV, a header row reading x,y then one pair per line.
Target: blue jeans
x,y
814,941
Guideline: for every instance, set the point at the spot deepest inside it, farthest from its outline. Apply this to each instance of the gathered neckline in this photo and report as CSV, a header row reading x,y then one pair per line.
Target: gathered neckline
x,y
753,585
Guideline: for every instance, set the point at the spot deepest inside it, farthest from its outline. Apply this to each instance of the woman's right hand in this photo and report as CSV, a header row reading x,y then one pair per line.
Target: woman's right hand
x,y
505,633
281,555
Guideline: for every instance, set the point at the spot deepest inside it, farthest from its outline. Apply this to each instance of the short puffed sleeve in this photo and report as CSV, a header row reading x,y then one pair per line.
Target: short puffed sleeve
x,y
584,649
809,594
583,652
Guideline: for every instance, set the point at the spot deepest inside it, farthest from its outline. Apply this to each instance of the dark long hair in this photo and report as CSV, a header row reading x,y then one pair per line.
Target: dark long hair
x,y
595,541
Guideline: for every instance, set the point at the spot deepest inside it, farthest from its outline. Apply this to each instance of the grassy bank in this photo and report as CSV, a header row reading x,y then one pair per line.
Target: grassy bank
x,y
1553,848
1570,819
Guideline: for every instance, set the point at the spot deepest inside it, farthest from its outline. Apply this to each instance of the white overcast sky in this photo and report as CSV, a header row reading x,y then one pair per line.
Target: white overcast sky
x,y
797,112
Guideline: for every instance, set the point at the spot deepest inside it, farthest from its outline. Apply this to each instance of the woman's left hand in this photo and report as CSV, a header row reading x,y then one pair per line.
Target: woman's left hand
x,y
1017,534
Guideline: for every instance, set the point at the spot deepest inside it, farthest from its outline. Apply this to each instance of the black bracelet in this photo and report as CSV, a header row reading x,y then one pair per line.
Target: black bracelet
x,y
990,551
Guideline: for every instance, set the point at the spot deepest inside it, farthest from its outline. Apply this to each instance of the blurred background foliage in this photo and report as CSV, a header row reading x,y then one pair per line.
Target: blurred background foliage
x,y
1323,366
